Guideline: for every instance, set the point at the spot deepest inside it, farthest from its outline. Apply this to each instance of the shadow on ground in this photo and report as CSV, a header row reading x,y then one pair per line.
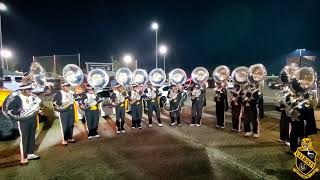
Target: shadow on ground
x,y
145,155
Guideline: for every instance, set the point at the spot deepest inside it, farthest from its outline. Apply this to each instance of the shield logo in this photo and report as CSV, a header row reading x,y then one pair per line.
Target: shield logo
x,y
306,161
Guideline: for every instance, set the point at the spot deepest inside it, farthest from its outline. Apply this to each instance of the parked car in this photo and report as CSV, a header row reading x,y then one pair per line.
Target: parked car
x,y
274,84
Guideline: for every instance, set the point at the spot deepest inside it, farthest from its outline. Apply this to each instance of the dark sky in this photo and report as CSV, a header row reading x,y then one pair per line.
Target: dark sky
x,y
199,33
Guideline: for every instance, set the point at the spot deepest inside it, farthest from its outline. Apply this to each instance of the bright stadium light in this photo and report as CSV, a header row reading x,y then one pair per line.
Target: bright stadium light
x,y
3,7
155,26
6,53
127,59
163,49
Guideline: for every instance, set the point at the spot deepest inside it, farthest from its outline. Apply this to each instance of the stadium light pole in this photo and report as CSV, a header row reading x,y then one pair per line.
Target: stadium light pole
x,y
6,54
3,8
155,27
163,51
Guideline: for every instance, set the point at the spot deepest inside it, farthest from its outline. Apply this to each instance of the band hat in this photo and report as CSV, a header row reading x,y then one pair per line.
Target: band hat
x,y
65,84
117,85
135,85
27,85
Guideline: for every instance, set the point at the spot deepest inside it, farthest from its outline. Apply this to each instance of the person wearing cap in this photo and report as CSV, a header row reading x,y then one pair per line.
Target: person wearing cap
x,y
221,105
152,94
63,102
136,106
175,98
236,106
27,127
250,115
89,103
197,98
118,98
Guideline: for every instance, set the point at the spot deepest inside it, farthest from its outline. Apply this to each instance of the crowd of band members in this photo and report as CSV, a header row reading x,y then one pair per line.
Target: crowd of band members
x,y
299,124
245,106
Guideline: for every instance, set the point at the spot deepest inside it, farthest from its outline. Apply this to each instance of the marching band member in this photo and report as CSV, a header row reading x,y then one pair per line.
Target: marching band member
x,y
297,126
197,98
118,98
236,106
63,102
221,105
250,115
27,127
175,98
89,103
284,122
151,94
136,106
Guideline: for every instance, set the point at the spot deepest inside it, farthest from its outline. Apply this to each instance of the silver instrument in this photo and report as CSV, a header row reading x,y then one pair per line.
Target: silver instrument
x,y
257,73
120,98
221,74
64,106
140,76
135,96
25,113
73,74
177,77
240,75
124,76
199,75
151,94
38,74
98,78
304,80
287,73
90,102
157,77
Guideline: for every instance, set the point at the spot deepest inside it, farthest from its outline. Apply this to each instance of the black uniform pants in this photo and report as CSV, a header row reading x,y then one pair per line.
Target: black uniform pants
x,y
284,127
136,112
235,112
251,117
296,134
196,112
175,113
92,119
120,118
153,106
27,129
220,114
67,123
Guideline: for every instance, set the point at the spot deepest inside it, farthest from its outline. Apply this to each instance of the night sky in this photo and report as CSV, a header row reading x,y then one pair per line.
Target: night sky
x,y
199,33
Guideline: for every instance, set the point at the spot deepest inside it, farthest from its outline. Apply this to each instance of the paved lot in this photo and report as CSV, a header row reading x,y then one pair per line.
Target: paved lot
x,y
158,153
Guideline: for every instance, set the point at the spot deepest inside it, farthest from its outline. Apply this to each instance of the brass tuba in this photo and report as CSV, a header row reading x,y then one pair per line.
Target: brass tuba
x,y
221,74
124,76
38,74
157,77
140,76
240,75
257,73
199,75
177,76
98,78
303,80
73,74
